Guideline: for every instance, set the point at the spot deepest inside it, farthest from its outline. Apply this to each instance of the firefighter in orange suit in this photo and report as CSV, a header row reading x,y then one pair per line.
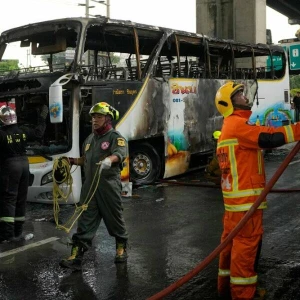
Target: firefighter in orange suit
x,y
242,180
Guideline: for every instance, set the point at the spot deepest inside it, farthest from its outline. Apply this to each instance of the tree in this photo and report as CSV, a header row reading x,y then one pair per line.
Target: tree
x,y
294,84
9,64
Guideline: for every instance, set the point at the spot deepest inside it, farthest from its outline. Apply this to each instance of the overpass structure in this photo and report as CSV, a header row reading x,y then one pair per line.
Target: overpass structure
x,y
240,20
290,9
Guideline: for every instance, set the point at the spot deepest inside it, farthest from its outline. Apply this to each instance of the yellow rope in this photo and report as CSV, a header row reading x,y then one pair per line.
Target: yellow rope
x,y
59,194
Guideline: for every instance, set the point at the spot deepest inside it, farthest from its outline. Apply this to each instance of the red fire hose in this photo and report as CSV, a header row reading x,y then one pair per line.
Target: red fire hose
x,y
215,186
233,233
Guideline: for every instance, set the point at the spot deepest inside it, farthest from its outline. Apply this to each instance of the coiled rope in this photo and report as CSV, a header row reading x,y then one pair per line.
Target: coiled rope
x,y
62,189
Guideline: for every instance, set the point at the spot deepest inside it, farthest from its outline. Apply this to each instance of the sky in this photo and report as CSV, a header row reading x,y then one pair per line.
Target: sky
x,y
176,14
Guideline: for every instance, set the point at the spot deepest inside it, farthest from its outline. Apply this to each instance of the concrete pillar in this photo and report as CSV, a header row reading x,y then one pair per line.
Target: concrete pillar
x,y
240,20
212,18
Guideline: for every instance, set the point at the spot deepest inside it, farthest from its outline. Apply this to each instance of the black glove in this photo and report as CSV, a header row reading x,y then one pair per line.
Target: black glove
x,y
44,112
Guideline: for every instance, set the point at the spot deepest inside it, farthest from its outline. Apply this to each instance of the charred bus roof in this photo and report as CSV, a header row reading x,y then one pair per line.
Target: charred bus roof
x,y
76,36
43,32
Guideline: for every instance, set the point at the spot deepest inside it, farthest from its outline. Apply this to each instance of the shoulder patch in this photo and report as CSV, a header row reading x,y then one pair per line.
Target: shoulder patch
x,y
87,147
121,142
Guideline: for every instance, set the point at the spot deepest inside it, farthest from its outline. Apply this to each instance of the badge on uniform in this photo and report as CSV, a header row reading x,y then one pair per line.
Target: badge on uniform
x,y
104,145
121,142
87,147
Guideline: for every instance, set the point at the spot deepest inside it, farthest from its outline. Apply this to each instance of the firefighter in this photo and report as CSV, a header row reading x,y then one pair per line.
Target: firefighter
x,y
14,170
107,146
212,171
242,180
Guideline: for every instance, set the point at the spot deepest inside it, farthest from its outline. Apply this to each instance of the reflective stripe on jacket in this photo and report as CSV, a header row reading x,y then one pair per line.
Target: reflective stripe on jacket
x,y
241,159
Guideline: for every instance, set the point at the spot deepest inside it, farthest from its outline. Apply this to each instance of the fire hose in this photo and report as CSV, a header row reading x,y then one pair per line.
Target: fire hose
x,y
215,186
174,286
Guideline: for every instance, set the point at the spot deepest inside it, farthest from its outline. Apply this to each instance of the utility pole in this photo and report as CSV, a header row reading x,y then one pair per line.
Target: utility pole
x,y
87,7
87,14
108,8
107,4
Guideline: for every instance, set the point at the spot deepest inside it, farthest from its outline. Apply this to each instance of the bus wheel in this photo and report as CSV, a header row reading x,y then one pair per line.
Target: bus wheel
x,y
145,164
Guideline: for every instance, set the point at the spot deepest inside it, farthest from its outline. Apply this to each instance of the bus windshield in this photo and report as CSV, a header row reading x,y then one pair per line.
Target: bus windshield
x,y
26,57
50,47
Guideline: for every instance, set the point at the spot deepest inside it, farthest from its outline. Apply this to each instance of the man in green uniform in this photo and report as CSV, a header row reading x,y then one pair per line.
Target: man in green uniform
x,y
105,146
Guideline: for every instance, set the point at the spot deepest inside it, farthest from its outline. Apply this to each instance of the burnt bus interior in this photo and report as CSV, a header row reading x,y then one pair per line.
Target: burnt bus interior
x,y
27,87
116,55
57,137
130,50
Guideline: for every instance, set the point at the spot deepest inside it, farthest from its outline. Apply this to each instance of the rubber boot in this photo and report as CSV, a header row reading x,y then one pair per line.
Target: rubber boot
x,y
18,230
6,232
75,260
121,255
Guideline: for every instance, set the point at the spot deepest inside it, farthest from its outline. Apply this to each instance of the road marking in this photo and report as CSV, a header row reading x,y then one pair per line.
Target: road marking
x,y
26,247
294,162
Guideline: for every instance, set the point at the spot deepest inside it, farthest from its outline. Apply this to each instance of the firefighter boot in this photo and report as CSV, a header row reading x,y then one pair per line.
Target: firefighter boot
x,y
121,255
74,261
18,230
6,232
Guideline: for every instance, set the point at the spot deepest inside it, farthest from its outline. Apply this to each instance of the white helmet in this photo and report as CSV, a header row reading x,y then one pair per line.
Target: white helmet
x,y
7,115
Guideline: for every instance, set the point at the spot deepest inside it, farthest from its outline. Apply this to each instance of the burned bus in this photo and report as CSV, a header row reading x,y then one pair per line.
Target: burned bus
x,y
162,81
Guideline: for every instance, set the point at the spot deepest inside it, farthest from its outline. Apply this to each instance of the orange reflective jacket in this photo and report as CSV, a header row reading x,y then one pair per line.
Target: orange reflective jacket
x,y
241,160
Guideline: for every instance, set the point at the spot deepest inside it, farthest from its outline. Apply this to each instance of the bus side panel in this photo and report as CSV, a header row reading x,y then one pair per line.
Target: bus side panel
x,y
193,118
183,111
147,116
273,106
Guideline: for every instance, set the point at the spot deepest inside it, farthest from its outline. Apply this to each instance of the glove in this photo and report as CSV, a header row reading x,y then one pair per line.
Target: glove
x,y
106,163
44,112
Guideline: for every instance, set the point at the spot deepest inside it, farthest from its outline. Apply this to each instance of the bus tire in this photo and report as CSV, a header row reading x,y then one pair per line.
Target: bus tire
x,y
145,164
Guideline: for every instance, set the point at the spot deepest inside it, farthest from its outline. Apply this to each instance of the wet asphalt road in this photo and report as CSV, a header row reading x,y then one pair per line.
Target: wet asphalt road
x,y
172,229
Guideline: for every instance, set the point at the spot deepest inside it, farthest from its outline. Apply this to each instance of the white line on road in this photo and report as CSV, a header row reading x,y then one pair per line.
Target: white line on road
x,y
26,247
294,162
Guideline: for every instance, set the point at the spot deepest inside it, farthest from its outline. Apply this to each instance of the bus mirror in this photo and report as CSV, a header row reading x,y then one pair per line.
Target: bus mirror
x,y
56,98
25,43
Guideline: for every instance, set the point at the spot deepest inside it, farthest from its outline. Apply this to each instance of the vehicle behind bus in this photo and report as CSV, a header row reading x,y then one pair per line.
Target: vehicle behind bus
x,y
162,81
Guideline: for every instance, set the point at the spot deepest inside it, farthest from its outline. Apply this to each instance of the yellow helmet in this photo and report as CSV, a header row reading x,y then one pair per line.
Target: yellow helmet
x,y
216,134
104,109
223,97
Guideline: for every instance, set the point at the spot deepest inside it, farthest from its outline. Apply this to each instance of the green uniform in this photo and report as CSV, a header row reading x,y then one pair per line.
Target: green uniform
x,y
107,201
